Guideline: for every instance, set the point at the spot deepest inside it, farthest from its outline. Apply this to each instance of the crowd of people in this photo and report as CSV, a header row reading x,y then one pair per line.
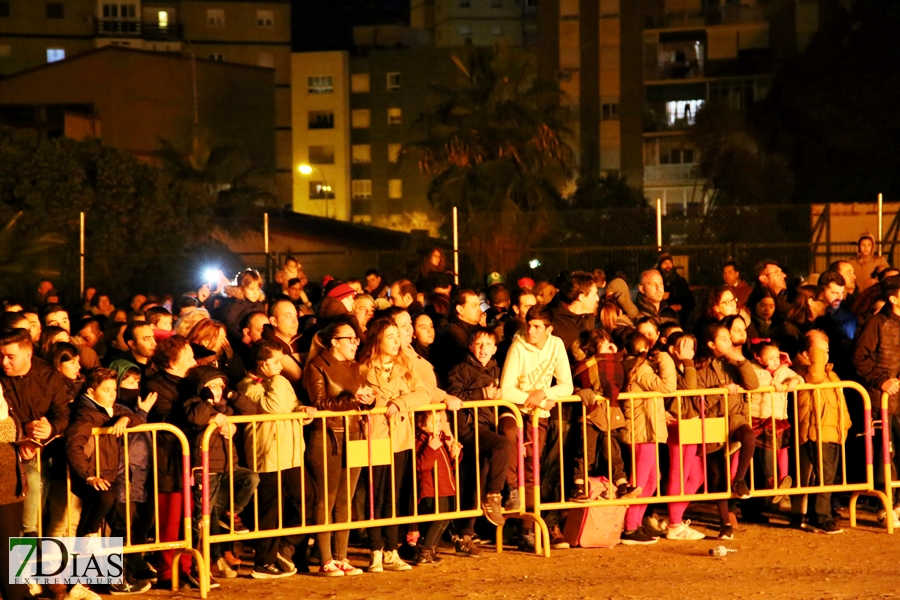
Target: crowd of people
x,y
242,347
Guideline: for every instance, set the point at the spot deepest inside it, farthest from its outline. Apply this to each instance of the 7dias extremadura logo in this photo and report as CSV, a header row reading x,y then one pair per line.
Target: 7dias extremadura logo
x,y
66,560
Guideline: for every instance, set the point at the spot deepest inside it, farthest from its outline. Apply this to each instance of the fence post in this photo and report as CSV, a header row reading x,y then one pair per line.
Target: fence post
x,y
455,246
81,255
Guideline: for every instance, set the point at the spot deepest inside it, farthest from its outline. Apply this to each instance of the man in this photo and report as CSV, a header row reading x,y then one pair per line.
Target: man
x,y
404,295
522,301
770,275
575,307
651,298
846,270
839,324
498,304
734,282
56,315
285,323
43,289
89,331
37,394
527,379
252,327
137,302
374,285
877,361
452,344
34,325
678,292
141,342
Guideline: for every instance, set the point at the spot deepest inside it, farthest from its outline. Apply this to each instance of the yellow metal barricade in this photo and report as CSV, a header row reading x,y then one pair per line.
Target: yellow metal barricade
x,y
890,484
709,430
374,455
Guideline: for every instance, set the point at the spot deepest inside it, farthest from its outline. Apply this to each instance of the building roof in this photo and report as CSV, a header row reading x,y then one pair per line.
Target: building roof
x,y
355,236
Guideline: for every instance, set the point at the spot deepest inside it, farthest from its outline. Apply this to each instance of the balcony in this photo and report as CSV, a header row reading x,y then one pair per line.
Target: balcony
x,y
122,28
703,17
679,69
658,174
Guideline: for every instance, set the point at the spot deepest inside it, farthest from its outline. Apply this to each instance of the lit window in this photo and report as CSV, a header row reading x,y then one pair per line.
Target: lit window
x,y
321,119
265,18
395,189
362,153
496,30
320,84
163,17
215,17
359,83
266,59
682,111
55,54
361,189
318,190
360,118
395,116
394,152
393,81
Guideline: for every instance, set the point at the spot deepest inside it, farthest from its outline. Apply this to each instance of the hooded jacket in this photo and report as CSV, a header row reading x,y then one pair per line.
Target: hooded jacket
x,y
450,347
139,444
566,324
528,369
82,449
645,420
426,459
273,445
170,390
825,409
232,312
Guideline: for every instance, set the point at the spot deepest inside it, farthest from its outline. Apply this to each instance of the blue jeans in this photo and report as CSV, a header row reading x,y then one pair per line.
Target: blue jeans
x,y
35,497
245,482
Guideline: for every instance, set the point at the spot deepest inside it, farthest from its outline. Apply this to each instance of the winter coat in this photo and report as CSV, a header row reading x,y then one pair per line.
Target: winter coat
x,y
645,420
603,375
232,312
566,324
424,371
763,404
82,449
686,377
426,458
717,373
406,394
42,392
646,308
450,347
278,444
825,408
877,356
528,369
331,385
864,269
170,390
467,381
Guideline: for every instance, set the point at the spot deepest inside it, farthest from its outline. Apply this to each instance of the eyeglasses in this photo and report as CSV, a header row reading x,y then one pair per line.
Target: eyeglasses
x,y
353,339
728,302
778,272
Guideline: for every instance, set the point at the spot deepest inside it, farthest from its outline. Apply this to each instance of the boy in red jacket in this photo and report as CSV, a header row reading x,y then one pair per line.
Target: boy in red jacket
x,y
434,449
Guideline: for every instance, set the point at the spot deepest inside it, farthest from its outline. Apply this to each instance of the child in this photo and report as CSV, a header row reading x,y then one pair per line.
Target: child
x,y
478,378
161,321
95,478
821,414
434,448
772,369
645,426
598,368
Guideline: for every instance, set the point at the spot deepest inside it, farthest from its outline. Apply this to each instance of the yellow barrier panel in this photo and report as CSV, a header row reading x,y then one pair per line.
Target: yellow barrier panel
x,y
708,432
372,460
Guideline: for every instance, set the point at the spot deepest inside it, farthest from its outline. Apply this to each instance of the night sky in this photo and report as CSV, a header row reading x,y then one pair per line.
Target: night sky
x,y
328,24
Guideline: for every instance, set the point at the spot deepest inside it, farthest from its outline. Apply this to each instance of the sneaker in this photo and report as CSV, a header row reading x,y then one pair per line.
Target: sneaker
x,y
426,557
393,562
331,569
129,587
785,484
797,522
683,532
146,572
193,580
284,564
225,523
739,489
882,516
512,501
626,490
79,592
270,571
654,526
465,547
557,541
638,537
376,564
225,569
726,532
828,527
526,543
493,511
348,569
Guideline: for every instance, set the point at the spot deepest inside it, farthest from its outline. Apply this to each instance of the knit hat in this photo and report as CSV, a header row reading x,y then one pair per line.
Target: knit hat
x,y
341,291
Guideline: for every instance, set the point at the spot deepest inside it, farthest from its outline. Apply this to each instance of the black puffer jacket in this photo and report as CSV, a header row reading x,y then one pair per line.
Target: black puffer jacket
x,y
170,390
81,447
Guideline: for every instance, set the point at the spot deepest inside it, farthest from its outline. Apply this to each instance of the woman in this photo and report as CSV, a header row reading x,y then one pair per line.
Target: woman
x,y
737,330
387,370
12,492
63,357
101,305
87,297
333,383
211,335
808,306
433,269
50,335
720,303
423,334
867,265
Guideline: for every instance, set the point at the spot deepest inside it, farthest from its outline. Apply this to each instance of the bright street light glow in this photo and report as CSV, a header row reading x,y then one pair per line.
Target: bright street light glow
x,y
534,263
305,169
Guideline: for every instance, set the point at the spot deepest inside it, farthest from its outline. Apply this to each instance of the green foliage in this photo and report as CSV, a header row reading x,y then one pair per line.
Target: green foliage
x,y
608,191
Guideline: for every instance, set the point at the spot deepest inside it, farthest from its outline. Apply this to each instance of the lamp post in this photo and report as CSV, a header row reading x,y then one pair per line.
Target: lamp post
x,y
307,170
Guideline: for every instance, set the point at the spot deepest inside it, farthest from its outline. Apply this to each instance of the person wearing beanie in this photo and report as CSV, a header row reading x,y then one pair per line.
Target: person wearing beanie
x,y
867,264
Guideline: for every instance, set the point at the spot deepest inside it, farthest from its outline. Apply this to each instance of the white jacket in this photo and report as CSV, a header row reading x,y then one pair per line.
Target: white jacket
x,y
762,405
528,369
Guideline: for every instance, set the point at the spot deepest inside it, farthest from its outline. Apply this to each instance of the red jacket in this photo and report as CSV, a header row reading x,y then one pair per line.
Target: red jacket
x,y
426,458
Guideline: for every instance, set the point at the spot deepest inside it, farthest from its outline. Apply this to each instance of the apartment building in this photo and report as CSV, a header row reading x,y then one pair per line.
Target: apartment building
x,y
480,22
248,32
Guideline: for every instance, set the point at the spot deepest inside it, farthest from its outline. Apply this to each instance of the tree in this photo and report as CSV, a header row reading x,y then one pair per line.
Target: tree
x,y
494,148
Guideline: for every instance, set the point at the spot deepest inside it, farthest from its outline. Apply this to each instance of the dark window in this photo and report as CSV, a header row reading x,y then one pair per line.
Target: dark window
x,y
55,10
321,119
361,207
4,9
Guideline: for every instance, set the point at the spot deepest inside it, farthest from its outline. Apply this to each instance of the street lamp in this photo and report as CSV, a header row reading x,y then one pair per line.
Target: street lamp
x,y
306,171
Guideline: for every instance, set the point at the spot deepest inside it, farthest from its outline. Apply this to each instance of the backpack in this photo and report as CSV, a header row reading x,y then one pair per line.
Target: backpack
x,y
595,526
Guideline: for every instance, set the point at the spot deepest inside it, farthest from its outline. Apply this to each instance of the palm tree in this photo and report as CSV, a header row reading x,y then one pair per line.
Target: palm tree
x,y
494,148
23,257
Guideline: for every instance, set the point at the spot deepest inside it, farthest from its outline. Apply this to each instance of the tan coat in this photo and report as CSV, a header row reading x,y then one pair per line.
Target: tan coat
x,y
394,388
825,408
279,444
645,421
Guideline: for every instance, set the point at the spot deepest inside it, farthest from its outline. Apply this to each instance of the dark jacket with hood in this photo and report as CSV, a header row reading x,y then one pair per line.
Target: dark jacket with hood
x,y
567,325
82,449
200,408
467,381
450,348
170,391
139,444
232,312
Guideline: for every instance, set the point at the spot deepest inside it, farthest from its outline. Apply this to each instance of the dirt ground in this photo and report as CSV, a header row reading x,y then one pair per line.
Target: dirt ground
x,y
770,561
